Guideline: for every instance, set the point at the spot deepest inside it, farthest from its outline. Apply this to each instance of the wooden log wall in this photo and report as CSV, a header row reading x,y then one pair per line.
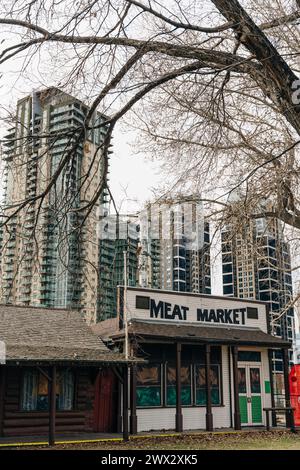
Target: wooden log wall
x,y
18,422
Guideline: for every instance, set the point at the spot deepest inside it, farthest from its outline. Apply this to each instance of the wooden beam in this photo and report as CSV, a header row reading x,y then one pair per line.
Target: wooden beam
x,y
125,403
270,354
52,407
237,414
118,374
289,417
2,397
209,416
133,415
178,418
230,384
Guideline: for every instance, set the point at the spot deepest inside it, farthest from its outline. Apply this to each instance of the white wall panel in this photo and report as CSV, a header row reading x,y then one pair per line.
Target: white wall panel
x,y
193,302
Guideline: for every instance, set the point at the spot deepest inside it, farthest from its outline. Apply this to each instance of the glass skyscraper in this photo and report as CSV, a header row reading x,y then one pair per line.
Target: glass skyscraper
x,y
175,248
256,264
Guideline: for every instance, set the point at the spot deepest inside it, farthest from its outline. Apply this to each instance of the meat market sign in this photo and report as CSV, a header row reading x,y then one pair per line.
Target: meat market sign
x,y
167,311
193,310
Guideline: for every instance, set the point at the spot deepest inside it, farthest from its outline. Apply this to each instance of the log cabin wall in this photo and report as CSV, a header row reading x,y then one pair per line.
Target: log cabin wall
x,y
18,422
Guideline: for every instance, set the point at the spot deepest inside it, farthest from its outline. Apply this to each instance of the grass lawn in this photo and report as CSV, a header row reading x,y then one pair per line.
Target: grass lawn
x,y
254,440
241,441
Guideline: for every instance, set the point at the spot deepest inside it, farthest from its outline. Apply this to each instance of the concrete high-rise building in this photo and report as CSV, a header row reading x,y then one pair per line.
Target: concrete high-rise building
x,y
256,264
175,248
50,249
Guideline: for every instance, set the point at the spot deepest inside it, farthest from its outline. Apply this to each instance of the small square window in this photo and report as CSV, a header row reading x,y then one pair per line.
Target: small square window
x,y
142,302
252,313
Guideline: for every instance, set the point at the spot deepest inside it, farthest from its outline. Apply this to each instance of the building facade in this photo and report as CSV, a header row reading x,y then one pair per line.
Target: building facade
x,y
175,248
46,346
118,239
256,264
167,247
50,244
208,359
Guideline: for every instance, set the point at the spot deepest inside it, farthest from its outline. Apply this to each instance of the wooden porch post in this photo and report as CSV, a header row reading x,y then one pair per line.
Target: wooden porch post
x,y
52,407
133,416
178,419
270,354
289,417
237,415
2,397
209,416
125,404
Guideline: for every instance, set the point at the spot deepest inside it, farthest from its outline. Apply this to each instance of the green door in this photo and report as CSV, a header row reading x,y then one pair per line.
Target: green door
x,y
255,393
249,386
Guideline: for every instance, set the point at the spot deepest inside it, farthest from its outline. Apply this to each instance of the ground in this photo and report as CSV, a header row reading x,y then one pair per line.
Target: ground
x,y
263,440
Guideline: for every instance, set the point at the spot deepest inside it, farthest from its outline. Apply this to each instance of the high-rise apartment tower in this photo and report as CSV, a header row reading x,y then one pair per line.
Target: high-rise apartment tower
x,y
50,247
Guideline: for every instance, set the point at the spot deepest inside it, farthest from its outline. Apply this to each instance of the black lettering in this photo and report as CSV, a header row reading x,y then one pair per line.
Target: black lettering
x,y
177,312
184,311
156,310
220,315
202,315
212,316
243,313
168,315
227,316
236,316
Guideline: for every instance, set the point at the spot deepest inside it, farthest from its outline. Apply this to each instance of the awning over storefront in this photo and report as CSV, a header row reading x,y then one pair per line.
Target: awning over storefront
x,y
167,331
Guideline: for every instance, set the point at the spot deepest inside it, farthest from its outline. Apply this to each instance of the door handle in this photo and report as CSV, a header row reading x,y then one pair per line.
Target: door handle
x,y
248,399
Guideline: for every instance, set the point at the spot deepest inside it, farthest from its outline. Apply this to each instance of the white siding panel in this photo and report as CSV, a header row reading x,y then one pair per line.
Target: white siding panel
x,y
156,419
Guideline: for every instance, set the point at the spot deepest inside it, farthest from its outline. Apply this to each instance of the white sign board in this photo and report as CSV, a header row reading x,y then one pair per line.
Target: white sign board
x,y
154,305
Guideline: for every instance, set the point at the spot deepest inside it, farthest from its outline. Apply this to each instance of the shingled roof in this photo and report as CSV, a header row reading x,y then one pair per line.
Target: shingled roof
x,y
44,334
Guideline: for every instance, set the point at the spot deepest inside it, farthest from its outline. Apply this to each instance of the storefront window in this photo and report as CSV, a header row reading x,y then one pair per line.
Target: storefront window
x,y
35,393
148,390
249,356
201,383
255,380
186,391
242,385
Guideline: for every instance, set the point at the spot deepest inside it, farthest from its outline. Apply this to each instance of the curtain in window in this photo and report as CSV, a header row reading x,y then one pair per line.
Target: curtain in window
x,y
201,384
186,390
148,391
66,390
29,390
